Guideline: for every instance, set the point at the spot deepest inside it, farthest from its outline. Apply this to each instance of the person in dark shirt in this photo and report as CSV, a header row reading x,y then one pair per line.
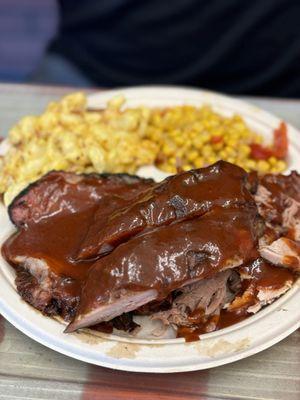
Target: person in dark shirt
x,y
233,46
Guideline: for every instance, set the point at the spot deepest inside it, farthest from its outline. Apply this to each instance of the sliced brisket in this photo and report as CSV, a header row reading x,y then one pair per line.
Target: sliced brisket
x,y
62,193
53,215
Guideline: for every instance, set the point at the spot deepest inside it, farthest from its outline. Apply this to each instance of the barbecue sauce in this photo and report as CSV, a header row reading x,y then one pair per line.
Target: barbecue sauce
x,y
171,256
261,276
266,275
179,197
54,230
162,258
279,187
54,240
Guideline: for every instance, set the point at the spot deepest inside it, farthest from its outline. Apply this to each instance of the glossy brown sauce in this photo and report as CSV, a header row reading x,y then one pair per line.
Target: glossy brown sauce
x,y
281,186
163,258
177,198
263,276
228,318
216,322
54,240
55,232
173,255
266,275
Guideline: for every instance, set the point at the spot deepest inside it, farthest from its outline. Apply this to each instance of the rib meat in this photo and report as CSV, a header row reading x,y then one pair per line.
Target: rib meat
x,y
181,254
179,197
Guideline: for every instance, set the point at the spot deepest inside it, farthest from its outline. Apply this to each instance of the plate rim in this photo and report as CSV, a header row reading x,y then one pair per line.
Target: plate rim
x,y
115,363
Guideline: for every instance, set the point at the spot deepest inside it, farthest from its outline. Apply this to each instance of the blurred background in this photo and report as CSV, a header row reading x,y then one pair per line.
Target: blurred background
x,y
232,46
25,29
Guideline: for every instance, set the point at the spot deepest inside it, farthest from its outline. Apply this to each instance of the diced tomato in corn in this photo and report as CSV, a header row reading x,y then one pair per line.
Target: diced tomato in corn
x,y
279,148
280,141
216,139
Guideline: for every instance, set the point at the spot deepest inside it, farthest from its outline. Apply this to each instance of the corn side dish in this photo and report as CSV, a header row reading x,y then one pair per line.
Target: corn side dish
x,y
68,136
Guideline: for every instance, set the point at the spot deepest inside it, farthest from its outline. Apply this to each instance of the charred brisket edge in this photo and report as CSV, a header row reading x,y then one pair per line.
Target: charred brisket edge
x,y
128,178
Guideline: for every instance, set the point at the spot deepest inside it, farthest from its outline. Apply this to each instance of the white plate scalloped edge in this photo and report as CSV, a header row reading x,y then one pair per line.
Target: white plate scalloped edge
x,y
241,340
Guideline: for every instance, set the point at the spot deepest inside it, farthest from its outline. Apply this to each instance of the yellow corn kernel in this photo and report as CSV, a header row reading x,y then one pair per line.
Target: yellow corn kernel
x,y
172,160
263,166
272,161
280,166
250,164
199,162
205,136
193,155
223,154
179,140
168,168
231,142
198,142
207,150
217,146
212,159
243,150
168,150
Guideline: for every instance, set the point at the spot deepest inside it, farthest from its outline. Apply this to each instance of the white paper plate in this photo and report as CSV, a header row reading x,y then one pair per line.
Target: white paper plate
x,y
167,354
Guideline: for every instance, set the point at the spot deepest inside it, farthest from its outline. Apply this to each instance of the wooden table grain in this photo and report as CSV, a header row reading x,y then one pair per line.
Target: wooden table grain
x,y
29,370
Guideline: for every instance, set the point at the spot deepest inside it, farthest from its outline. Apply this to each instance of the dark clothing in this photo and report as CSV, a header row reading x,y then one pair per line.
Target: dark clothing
x,y
234,46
